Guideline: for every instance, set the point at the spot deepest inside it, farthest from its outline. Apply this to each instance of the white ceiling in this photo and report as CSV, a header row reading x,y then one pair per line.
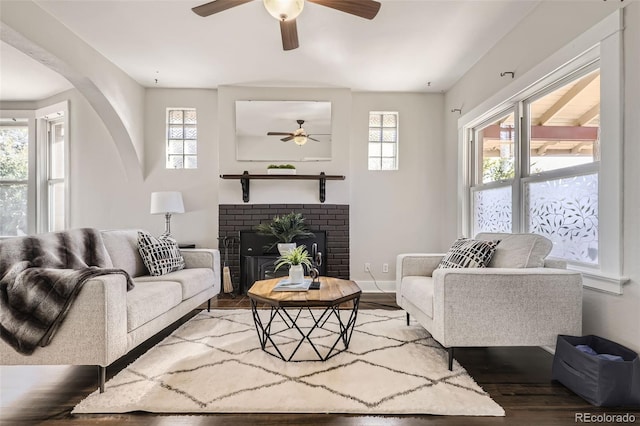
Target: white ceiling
x,y
24,79
409,44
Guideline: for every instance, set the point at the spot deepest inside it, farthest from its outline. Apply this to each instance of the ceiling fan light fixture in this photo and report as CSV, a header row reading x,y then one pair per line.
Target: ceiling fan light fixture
x,y
284,10
300,139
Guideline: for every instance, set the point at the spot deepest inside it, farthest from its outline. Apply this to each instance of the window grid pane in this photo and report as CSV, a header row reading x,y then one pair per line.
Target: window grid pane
x,y
56,176
564,125
14,172
496,142
14,153
565,210
492,210
13,215
56,206
182,139
383,140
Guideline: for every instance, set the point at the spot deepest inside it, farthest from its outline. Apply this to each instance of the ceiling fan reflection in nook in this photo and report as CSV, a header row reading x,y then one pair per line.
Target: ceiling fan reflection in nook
x,y
299,136
286,11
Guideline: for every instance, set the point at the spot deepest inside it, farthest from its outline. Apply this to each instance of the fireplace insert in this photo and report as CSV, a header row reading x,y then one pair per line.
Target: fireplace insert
x,y
257,260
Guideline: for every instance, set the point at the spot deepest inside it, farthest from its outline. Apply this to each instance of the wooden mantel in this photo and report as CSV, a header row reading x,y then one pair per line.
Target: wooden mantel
x,y
246,177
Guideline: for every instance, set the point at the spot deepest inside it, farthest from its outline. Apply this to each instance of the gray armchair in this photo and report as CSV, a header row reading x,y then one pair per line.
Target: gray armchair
x,y
520,299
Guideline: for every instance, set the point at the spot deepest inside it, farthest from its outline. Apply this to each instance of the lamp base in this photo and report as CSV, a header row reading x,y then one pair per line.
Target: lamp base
x,y
167,224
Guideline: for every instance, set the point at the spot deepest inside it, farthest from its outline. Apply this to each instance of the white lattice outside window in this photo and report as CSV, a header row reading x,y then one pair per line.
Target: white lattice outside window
x,y
182,138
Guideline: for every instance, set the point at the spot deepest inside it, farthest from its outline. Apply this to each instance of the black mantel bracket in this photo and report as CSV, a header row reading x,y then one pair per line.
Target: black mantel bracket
x,y
246,177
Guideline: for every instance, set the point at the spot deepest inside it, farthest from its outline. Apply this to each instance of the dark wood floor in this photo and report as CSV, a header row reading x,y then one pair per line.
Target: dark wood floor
x,y
519,379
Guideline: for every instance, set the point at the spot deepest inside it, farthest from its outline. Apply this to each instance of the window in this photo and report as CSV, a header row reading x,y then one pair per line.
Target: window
x,y
55,174
182,138
561,191
568,157
383,140
33,170
557,186
14,177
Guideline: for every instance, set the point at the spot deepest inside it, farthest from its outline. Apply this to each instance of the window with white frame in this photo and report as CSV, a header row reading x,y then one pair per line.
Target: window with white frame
x,y
55,173
383,140
14,176
540,174
34,170
182,138
568,156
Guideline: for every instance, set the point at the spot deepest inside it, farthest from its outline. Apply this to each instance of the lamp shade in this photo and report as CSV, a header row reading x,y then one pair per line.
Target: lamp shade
x,y
166,202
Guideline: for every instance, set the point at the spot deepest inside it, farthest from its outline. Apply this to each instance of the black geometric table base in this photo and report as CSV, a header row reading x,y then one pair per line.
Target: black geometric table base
x,y
265,328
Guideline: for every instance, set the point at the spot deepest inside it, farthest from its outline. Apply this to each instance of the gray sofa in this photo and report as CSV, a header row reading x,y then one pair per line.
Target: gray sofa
x,y
105,321
520,299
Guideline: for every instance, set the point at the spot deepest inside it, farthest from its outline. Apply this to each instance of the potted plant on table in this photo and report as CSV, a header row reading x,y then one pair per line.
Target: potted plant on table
x,y
285,229
295,258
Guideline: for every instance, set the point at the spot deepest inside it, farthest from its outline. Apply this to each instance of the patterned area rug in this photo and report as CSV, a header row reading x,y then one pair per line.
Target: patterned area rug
x,y
214,364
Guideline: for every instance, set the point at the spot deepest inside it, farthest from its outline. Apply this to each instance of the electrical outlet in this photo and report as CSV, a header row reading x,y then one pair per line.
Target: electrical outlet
x,y
367,267
385,267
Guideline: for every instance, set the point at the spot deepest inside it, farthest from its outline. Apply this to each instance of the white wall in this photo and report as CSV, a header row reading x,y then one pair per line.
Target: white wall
x,y
556,24
199,223
618,317
116,97
278,192
395,212
103,196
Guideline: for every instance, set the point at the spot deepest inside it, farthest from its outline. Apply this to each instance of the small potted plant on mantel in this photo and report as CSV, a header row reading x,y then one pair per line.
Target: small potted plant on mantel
x,y
285,229
296,258
281,169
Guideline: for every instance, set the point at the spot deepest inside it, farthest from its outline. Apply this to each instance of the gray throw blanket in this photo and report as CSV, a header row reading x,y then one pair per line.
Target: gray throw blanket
x,y
40,277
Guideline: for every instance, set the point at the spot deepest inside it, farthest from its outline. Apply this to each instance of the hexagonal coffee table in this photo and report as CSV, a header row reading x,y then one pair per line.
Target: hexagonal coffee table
x,y
334,297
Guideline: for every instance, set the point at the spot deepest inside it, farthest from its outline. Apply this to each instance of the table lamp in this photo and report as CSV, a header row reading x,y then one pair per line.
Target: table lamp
x,y
167,202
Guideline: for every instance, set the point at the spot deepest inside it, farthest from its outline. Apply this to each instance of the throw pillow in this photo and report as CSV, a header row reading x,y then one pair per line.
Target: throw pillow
x,y
467,253
518,250
160,255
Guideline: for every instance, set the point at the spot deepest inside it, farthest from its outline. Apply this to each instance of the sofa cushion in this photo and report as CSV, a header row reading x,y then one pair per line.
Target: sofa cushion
x,y
467,253
160,255
122,246
518,250
419,291
192,281
149,300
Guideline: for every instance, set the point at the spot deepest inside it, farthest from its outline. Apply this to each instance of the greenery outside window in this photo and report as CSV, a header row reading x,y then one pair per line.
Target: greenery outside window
x,y
14,177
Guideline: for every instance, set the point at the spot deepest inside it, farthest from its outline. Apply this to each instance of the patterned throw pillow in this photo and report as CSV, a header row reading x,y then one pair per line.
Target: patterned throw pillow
x,y
467,253
160,255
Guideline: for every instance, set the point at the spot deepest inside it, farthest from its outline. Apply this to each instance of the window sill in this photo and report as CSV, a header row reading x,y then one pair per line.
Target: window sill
x,y
599,282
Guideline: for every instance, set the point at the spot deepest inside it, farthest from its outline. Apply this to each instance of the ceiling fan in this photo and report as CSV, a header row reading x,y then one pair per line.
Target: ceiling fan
x,y
286,11
299,136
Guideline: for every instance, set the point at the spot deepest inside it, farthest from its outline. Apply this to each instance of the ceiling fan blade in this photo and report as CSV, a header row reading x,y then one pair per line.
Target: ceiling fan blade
x,y
289,32
216,6
279,134
313,139
367,9
287,139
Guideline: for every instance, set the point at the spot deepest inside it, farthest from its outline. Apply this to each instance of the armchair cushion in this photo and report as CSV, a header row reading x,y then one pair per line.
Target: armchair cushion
x,y
467,253
518,250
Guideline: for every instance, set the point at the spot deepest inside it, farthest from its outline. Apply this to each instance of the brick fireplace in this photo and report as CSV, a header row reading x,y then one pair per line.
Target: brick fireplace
x,y
331,218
